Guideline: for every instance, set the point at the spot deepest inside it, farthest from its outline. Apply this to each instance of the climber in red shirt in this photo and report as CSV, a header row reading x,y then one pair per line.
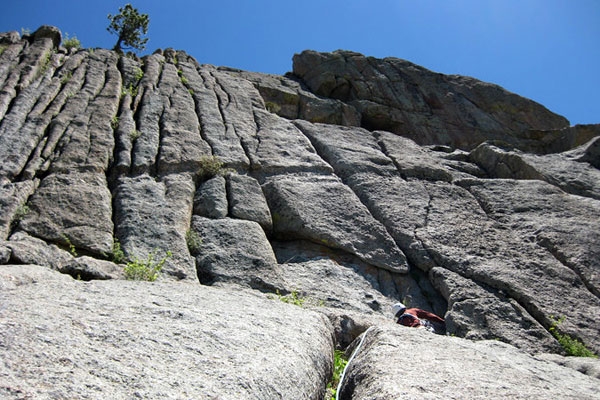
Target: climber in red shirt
x,y
415,317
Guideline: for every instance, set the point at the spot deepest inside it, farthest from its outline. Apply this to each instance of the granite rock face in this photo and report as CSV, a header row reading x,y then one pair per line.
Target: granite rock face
x,y
344,186
173,340
397,96
397,363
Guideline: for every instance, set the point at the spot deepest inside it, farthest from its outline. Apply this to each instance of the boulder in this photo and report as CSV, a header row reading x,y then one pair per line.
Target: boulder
x,y
280,147
286,97
50,32
155,340
323,210
247,201
348,150
580,178
210,199
72,209
324,282
396,362
153,219
88,268
25,249
235,251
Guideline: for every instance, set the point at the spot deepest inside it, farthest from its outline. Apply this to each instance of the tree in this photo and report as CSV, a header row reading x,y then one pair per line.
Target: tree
x,y
129,25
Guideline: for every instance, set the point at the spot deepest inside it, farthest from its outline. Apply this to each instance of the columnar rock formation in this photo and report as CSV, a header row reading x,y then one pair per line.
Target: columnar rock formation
x,y
352,182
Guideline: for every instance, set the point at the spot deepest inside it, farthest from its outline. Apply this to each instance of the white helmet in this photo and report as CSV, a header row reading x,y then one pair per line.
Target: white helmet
x,y
398,307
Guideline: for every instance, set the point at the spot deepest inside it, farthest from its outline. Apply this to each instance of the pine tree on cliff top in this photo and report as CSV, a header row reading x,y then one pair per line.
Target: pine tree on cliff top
x,y
129,25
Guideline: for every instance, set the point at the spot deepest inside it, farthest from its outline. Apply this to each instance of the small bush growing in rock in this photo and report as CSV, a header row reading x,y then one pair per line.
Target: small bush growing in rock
x,y
194,241
292,298
339,364
297,299
183,79
209,167
118,256
71,43
20,213
572,346
134,135
139,74
66,77
72,248
114,123
272,107
131,90
45,64
145,270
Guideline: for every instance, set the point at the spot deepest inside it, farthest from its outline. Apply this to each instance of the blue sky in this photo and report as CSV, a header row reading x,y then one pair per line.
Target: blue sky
x,y
546,50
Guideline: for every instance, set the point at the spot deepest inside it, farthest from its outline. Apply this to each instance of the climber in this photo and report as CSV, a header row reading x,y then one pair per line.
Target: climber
x,y
416,318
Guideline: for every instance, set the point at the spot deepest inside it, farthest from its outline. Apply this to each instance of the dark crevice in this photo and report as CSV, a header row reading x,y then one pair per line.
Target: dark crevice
x,y
201,130
222,103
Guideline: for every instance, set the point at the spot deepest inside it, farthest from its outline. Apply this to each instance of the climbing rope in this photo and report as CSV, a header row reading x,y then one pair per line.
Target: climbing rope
x,y
354,353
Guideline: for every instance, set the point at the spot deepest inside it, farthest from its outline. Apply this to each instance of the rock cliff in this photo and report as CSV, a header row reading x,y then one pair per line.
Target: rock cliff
x,y
344,186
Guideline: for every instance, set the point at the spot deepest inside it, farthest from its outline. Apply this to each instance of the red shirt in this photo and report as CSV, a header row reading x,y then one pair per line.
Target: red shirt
x,y
414,316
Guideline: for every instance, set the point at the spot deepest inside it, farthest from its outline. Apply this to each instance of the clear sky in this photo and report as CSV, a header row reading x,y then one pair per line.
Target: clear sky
x,y
546,50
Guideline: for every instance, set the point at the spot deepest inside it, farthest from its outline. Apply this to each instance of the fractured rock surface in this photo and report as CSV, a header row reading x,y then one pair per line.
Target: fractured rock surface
x,y
403,363
352,182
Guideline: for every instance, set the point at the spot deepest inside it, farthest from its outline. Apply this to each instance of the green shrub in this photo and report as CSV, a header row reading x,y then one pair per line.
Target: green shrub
x,y
66,77
193,240
134,135
182,78
139,74
145,270
114,123
292,298
118,256
210,166
297,299
2,49
20,213
339,364
130,90
72,249
573,347
46,62
71,43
